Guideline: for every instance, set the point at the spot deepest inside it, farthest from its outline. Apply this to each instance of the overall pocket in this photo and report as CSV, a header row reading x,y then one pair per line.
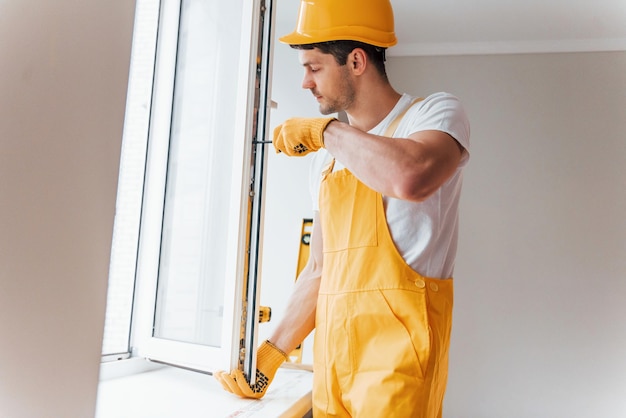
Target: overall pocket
x,y
390,331
345,229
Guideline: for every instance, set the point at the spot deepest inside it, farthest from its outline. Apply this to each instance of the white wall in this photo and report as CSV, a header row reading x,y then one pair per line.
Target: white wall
x,y
63,77
540,322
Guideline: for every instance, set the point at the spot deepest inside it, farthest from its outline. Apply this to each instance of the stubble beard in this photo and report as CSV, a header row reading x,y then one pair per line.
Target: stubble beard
x,y
341,101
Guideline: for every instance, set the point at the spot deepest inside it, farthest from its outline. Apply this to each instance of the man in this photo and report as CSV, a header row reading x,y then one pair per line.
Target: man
x,y
377,287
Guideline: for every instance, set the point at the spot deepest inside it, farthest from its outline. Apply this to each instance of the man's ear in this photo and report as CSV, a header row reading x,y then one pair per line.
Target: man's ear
x,y
357,61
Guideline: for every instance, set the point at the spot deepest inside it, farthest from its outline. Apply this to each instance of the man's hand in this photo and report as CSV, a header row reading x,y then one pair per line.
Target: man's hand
x,y
299,136
269,359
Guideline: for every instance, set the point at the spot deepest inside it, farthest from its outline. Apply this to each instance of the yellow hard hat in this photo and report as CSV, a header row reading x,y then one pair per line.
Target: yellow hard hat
x,y
368,21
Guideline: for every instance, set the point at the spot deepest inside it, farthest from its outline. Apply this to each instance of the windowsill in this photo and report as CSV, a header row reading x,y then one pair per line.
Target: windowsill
x,y
170,392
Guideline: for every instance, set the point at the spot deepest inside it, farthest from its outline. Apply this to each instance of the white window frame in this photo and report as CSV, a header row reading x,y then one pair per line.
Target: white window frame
x,y
241,295
125,240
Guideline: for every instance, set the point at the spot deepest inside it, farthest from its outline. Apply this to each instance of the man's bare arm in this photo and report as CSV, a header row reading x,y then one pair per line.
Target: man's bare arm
x,y
405,168
299,320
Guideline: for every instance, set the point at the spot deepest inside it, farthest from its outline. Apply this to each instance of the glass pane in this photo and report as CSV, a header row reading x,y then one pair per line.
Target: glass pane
x,y
196,216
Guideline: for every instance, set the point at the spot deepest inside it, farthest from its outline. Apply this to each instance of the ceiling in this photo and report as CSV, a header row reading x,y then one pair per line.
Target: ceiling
x,y
453,27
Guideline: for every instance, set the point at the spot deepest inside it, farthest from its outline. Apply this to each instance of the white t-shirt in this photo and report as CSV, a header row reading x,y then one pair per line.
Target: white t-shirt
x,y
425,233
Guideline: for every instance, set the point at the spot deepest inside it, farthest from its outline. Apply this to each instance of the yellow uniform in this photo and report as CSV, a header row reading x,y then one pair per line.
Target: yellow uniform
x,y
382,330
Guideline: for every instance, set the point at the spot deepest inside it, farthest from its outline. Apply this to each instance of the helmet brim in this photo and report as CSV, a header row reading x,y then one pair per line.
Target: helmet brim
x,y
360,34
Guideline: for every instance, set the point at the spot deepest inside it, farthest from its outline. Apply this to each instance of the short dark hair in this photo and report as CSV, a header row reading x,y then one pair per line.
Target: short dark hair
x,y
341,49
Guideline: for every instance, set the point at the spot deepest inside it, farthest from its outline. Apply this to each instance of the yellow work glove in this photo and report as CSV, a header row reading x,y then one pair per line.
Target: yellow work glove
x,y
299,136
268,360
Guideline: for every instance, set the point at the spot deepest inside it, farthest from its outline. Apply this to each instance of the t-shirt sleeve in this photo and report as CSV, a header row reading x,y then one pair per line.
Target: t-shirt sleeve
x,y
441,112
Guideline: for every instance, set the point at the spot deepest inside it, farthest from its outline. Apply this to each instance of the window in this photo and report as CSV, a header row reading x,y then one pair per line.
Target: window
x,y
116,342
187,226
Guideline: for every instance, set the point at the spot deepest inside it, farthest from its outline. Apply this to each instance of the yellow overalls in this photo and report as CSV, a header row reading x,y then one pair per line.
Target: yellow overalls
x,y
382,330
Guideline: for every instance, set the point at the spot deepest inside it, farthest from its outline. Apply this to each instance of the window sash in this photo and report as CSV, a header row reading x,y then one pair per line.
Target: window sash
x,y
240,296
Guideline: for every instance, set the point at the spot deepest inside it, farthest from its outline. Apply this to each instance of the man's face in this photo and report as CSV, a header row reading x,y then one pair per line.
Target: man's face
x,y
330,83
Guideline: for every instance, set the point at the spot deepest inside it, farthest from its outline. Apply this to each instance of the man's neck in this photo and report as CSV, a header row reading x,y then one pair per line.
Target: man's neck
x,y
372,106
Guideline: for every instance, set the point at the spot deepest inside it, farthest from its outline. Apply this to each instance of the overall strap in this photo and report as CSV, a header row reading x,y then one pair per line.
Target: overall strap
x,y
391,129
